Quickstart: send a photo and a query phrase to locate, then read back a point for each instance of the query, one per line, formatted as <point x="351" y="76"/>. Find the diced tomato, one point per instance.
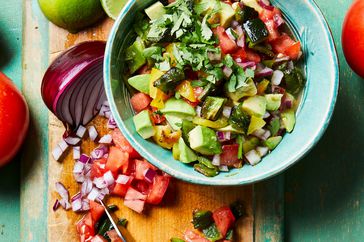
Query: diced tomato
<point x="117" y="158"/>
<point x="142" y="186"/>
<point x="130" y="169"/>
<point x="192" y="236"/>
<point x="144" y="70"/>
<point x="229" y="155"/>
<point x="252" y="56"/>
<point x="96" y="211"/>
<point x="273" y="32"/>
<point x="98" y="168"/>
<point x="224" y="219"/>
<point x="227" y="45"/>
<point x="240" y="53"/>
<point x="133" y="194"/>
<point x="159" y="188"/>
<point x="287" y="46"/>
<point x="140" y="101"/>
<point x="114" y="237"/>
<point x="156" y="118"/>
<point x="193" y="104"/>
<point x="268" y="14"/>
<point x="98" y="238"/>
<point x="136" y="205"/>
<point x="140" y="167"/>
<point x="85" y="228"/>
<point x="121" y="142"/>
<point x="121" y="189"/>
<point x="197" y="91"/>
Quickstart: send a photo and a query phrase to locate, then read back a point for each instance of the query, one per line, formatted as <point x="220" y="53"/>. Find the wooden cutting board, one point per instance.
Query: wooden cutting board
<point x="42" y="43"/>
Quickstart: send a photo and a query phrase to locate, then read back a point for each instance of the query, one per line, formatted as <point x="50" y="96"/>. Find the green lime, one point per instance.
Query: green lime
<point x="73" y="15"/>
<point x="113" y="7"/>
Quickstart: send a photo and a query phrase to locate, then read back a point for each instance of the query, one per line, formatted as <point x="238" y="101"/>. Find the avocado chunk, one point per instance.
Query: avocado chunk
<point x="155" y="11"/>
<point x="272" y="142"/>
<point x="206" y="6"/>
<point x="204" y="141"/>
<point x="256" y="30"/>
<point x="250" y="144"/>
<point x="239" y="119"/>
<point x="134" y="55"/>
<point x="255" y="106"/>
<point x="170" y="80"/>
<point x="253" y="4"/>
<point x="255" y="124"/>
<point x="175" y="121"/>
<point x="175" y="151"/>
<point x="212" y="107"/>
<point x="288" y="119"/>
<point x="178" y="107"/>
<point x="186" y="154"/>
<point x="227" y="14"/>
<point x="273" y="101"/>
<point x="140" y="82"/>
<point x="187" y="126"/>
<point x="143" y="124"/>
<point x="247" y="90"/>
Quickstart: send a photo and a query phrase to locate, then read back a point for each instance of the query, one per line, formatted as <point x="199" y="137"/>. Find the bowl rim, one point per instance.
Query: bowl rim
<point x="223" y="182"/>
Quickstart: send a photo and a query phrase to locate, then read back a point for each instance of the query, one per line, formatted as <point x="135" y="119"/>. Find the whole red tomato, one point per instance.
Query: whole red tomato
<point x="14" y="119"/>
<point x="353" y="37"/>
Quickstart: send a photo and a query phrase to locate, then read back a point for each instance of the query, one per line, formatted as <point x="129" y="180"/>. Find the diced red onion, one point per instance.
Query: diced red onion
<point x="65" y="204"/>
<point x="281" y="59"/>
<point x="226" y="111"/>
<point x="290" y="65"/>
<point x="79" y="177"/>
<point x="224" y="168"/>
<point x="56" y="205"/>
<point x="239" y="30"/>
<point x="263" y="71"/>
<point x="76" y="152"/>
<point x="72" y="140"/>
<point x="109" y="178"/>
<point x="104" y="109"/>
<point x="248" y="64"/>
<point x="234" y="24"/>
<point x="277" y="77"/>
<point x="103" y="192"/>
<point x="63" y="145"/>
<point x="78" y="167"/>
<point x="227" y="71"/>
<point x="262" y="134"/>
<point x="253" y="157"/>
<point x="86" y="187"/>
<point x="106" y="139"/>
<point x="216" y="160"/>
<point x="100" y="182"/>
<point x="92" y="133"/>
<point x="99" y="152"/>
<point x="108" y="114"/>
<point x="111" y="124"/>
<point x="266" y="5"/>
<point x="278" y="20"/>
<point x="76" y="196"/>
<point x="231" y="36"/>
<point x="85" y="205"/>
<point x="93" y="194"/>
<point x="241" y="41"/>
<point x="81" y="131"/>
<point x="213" y="56"/>
<point x="266" y="115"/>
<point x="84" y="159"/>
<point x="57" y="153"/>
<point x="262" y="151"/>
<point x="62" y="191"/>
<point x="149" y="175"/>
<point x="122" y="179"/>
<point x="286" y="103"/>
<point x="223" y="136"/>
<point x="198" y="111"/>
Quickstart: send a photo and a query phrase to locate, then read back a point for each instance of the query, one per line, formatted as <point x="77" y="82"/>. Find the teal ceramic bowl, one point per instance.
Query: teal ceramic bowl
<point x="313" y="116"/>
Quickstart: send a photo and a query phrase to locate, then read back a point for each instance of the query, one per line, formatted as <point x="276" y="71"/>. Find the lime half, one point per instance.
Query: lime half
<point x="113" y="7"/>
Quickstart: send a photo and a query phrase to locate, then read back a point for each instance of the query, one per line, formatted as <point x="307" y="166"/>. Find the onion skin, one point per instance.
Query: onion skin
<point x="14" y="119"/>
<point x="67" y="69"/>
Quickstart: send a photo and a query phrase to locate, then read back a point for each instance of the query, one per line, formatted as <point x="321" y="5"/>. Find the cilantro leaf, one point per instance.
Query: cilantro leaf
<point x="206" y="32"/>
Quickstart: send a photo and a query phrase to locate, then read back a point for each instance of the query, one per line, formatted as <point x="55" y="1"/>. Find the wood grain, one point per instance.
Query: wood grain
<point x="160" y="223"/>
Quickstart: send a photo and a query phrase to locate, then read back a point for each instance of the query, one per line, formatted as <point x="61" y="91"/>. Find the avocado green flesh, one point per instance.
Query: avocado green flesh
<point x="255" y="106"/>
<point x="155" y="11"/>
<point x="227" y="14"/>
<point x="204" y="141"/>
<point x="288" y="120"/>
<point x="212" y="107"/>
<point x="186" y="154"/>
<point x="140" y="82"/>
<point x="178" y="106"/>
<point x="273" y="142"/>
<point x="143" y="124"/>
<point x="273" y="101"/>
<point x="135" y="56"/>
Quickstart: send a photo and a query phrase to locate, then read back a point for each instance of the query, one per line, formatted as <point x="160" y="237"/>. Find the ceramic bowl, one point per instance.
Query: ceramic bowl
<point x="313" y="115"/>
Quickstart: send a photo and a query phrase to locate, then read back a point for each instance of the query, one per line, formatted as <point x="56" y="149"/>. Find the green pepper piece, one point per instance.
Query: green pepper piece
<point x="240" y="141"/>
<point x="201" y="219"/>
<point x="170" y="80"/>
<point x="212" y="107"/>
<point x="244" y="14"/>
<point x="123" y="222"/>
<point x="294" y="80"/>
<point x="240" y="119"/>
<point x="177" y="240"/>
<point x="256" y="30"/>
<point x="212" y="233"/>
<point x="238" y="209"/>
<point x="206" y="171"/>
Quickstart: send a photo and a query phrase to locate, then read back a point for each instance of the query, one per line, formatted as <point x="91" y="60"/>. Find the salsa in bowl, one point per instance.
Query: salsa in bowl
<point x="206" y="89"/>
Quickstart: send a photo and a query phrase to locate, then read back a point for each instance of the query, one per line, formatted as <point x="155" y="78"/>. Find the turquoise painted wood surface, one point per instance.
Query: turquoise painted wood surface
<point x="323" y="193"/>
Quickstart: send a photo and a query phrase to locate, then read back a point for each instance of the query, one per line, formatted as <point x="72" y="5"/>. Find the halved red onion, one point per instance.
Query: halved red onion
<point x="227" y="71"/>
<point x="109" y="178"/>
<point x="62" y="191"/>
<point x="99" y="151"/>
<point x="227" y="111"/>
<point x="106" y="139"/>
<point x="262" y="151"/>
<point x="266" y="5"/>
<point x="72" y="87"/>
<point x="76" y="152"/>
<point x="149" y="175"/>
<point x="84" y="159"/>
<point x="93" y="194"/>
<point x="92" y="133"/>
<point x="122" y="179"/>
<point x="253" y="157"/>
<point x="277" y="77"/>
<point x="216" y="160"/>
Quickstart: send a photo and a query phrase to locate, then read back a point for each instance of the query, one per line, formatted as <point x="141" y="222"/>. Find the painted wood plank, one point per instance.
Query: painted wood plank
<point x="160" y="223"/>
<point x="10" y="64"/>
<point x="324" y="192"/>
<point x="34" y="181"/>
